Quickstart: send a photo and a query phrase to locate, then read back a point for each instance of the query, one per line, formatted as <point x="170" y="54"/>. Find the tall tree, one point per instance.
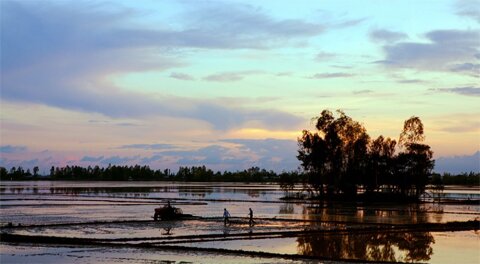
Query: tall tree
<point x="415" y="164"/>
<point x="335" y="157"/>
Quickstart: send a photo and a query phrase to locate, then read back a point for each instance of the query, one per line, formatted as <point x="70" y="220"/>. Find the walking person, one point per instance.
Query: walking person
<point x="250" y="214"/>
<point x="226" y="215"/>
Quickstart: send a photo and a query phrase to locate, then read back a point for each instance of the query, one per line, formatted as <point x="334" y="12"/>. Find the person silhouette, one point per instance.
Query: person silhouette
<point x="250" y="214"/>
<point x="226" y="215"/>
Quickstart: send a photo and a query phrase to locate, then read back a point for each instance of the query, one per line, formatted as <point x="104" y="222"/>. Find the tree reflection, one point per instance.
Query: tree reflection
<point x="378" y="245"/>
<point x="286" y="208"/>
<point x="372" y="245"/>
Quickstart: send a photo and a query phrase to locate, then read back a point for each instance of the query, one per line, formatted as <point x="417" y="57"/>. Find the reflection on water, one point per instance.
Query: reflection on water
<point x="378" y="245"/>
<point x="286" y="208"/>
<point x="335" y="231"/>
<point x="373" y="246"/>
<point x="145" y="189"/>
<point x="392" y="214"/>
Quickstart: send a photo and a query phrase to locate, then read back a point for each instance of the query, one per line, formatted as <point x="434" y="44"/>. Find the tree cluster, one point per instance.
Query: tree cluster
<point x="340" y="158"/>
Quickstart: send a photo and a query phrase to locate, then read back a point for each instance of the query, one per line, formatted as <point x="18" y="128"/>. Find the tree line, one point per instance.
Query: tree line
<point x="287" y="180"/>
<point x="141" y="173"/>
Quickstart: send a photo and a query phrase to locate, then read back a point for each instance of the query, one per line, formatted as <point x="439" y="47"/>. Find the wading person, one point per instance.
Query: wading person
<point x="250" y="215"/>
<point x="226" y="215"/>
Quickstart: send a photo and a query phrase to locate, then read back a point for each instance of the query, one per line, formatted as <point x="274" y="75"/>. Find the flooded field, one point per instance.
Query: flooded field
<point x="98" y="222"/>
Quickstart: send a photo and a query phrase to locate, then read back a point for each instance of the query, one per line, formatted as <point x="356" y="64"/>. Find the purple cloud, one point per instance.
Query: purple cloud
<point x="446" y="49"/>
<point x="387" y="35"/>
<point x="12" y="149"/>
<point x="458" y="164"/>
<point x="59" y="55"/>
<point x="148" y="146"/>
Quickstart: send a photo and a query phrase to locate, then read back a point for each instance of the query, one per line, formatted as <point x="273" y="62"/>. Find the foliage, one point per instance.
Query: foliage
<point x="340" y="158"/>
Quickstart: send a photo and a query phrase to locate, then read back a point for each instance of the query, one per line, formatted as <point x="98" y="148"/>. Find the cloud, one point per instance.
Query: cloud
<point x="230" y="76"/>
<point x="210" y="155"/>
<point x="469" y="8"/>
<point x="407" y="81"/>
<point x="458" y="164"/>
<point x="445" y="49"/>
<point x="148" y="146"/>
<point x="359" y="92"/>
<point x="387" y="35"/>
<point x="245" y="26"/>
<point x="331" y="75"/>
<point x="278" y="154"/>
<point x="117" y="160"/>
<point x="26" y="164"/>
<point x="322" y="56"/>
<point x="91" y="159"/>
<point x="12" y="149"/>
<point x="349" y="23"/>
<point x="473" y="68"/>
<point x="181" y="76"/>
<point x="469" y="90"/>
<point x="463" y="127"/>
<point x="147" y="160"/>
<point x="237" y="154"/>
<point x="281" y="74"/>
<point x="63" y="55"/>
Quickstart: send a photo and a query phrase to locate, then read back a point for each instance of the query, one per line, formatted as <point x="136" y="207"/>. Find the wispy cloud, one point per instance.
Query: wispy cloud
<point x="446" y="49"/>
<point x="181" y="76"/>
<point x="331" y="75"/>
<point x="349" y="23"/>
<point x="469" y="90"/>
<point x="66" y="65"/>
<point x="410" y="81"/>
<point x="230" y="76"/>
<point x="359" y="92"/>
<point x="118" y="160"/>
<point x="469" y="8"/>
<point x="148" y="146"/>
<point x="387" y="35"/>
<point x="210" y="155"/>
<point x="91" y="159"/>
<point x="471" y="68"/>
<point x="12" y="149"/>
<point x="323" y="56"/>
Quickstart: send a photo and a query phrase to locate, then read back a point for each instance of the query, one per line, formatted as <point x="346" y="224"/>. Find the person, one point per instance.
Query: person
<point x="170" y="212"/>
<point x="226" y="215"/>
<point x="250" y="214"/>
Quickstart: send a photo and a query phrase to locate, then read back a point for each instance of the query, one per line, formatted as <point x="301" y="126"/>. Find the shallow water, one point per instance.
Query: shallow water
<point x="76" y="204"/>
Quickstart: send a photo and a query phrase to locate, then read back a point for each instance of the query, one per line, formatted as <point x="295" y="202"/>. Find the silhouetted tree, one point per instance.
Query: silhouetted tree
<point x="335" y="157"/>
<point x="339" y="158"/>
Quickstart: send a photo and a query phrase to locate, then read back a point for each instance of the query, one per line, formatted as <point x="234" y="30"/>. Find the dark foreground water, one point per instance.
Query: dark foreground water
<point x="112" y="222"/>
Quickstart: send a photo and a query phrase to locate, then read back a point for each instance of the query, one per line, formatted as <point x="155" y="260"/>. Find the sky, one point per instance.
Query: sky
<point x="231" y="84"/>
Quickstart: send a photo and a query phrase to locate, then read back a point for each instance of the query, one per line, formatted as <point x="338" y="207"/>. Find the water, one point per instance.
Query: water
<point x="330" y="232"/>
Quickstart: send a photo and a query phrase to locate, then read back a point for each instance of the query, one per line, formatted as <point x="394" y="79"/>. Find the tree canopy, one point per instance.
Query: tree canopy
<point x="340" y="158"/>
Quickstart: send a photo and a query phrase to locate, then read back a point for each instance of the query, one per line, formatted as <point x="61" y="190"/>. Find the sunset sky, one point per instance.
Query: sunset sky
<point x="231" y="84"/>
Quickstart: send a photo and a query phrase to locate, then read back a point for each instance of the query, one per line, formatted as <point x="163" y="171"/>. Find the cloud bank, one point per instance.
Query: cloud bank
<point x="63" y="56"/>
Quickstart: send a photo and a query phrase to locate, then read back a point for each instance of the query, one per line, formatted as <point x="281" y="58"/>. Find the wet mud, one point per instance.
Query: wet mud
<point x="283" y="232"/>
